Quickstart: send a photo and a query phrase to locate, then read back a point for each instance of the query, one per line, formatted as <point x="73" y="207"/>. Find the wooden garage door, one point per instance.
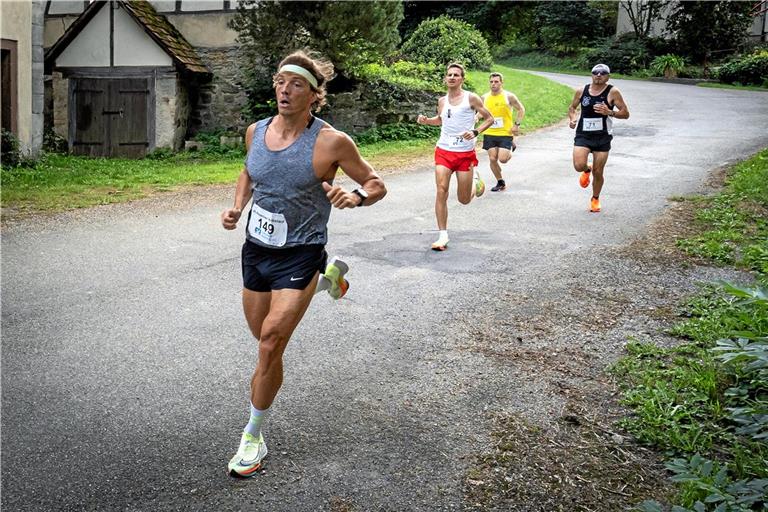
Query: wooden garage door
<point x="111" y="117"/>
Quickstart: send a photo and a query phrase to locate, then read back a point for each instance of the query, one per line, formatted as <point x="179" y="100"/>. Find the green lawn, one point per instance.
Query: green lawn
<point x="59" y="182"/>
<point x="545" y="102"/>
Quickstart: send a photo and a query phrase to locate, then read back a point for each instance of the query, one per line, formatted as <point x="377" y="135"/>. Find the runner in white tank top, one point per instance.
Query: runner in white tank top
<point x="456" y="121"/>
<point x="455" y="151"/>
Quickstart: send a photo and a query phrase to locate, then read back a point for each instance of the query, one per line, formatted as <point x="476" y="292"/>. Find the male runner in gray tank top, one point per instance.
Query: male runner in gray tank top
<point x="600" y="103"/>
<point x="288" y="175"/>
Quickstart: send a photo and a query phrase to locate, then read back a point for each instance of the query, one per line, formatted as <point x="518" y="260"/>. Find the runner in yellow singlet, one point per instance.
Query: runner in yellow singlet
<point x="498" y="140"/>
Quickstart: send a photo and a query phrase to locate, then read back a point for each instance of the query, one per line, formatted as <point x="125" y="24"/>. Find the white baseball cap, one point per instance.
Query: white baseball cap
<point x="601" y="67"/>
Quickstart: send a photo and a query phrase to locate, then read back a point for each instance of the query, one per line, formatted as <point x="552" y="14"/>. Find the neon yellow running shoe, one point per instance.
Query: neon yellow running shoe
<point x="247" y="460"/>
<point x="333" y="279"/>
<point x="479" y="185"/>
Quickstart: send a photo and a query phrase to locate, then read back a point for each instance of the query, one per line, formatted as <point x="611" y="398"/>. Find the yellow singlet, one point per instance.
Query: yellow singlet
<point x="501" y="112"/>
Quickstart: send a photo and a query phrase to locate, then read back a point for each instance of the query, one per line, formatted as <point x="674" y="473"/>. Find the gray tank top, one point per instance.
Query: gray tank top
<point x="289" y="206"/>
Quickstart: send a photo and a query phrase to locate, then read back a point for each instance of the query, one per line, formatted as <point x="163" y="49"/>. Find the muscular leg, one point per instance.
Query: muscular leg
<point x="272" y="318"/>
<point x="580" y="156"/>
<point x="442" y="181"/>
<point x="599" y="159"/>
<point x="493" y="157"/>
<point x="465" y="185"/>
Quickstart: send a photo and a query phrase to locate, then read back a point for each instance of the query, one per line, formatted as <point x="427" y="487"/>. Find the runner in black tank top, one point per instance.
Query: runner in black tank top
<point x="599" y="104"/>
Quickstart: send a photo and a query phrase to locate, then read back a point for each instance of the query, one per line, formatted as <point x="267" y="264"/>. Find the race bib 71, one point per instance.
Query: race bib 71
<point x="592" y="124"/>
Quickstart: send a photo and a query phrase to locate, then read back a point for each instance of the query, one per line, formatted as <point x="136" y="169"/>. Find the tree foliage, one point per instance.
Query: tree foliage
<point x="709" y="29"/>
<point x="567" y="25"/>
<point x="349" y="33"/>
<point x="500" y="21"/>
<point x="443" y="40"/>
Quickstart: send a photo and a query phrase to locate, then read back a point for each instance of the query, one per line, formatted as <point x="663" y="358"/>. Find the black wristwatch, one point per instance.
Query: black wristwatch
<point x="476" y="132"/>
<point x="363" y="195"/>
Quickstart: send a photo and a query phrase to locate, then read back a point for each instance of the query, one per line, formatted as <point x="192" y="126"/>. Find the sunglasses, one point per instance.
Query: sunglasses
<point x="599" y="73"/>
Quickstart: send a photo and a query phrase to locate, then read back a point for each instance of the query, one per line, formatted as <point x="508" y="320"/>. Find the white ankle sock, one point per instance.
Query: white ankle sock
<point x="254" y="424"/>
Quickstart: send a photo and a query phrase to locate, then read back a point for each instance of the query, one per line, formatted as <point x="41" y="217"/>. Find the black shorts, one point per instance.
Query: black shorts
<point x="599" y="143"/>
<point x="266" y="269"/>
<point x="497" y="141"/>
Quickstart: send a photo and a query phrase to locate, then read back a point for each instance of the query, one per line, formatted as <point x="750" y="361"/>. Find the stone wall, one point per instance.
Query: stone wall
<point x="165" y="110"/>
<point x="60" y="104"/>
<point x="219" y="103"/>
<point x="172" y="110"/>
<point x="372" y="105"/>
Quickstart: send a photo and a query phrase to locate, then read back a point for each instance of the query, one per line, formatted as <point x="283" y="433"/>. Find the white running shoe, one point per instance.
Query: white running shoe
<point x="247" y="460"/>
<point x="440" y="244"/>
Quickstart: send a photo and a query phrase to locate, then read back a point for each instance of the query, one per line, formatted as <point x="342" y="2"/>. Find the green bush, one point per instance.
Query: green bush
<point x="749" y="70"/>
<point x="668" y="66"/>
<point x="55" y="143"/>
<point x="397" y="131"/>
<point x="10" y="153"/>
<point x="409" y="75"/>
<point x="443" y="40"/>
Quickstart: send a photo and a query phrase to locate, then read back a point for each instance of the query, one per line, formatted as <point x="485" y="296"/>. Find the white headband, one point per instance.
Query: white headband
<point x="292" y="68"/>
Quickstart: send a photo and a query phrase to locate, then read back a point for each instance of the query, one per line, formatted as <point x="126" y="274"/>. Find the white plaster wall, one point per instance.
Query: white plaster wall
<point x="91" y="46"/>
<point x="16" y="25"/>
<point x="202" y="5"/>
<point x="133" y="47"/>
<point x="208" y="30"/>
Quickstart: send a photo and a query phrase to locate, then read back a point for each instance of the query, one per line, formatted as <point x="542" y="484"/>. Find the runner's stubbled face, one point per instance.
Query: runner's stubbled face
<point x="293" y="93"/>
<point x="453" y="77"/>
<point x="600" y="79"/>
<point x="495" y="84"/>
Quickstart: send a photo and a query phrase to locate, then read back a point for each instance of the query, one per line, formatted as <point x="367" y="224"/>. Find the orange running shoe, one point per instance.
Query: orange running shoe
<point x="584" y="178"/>
<point x="594" y="205"/>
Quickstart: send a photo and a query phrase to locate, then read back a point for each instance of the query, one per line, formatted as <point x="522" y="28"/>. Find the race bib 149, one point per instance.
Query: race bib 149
<point x="267" y="227"/>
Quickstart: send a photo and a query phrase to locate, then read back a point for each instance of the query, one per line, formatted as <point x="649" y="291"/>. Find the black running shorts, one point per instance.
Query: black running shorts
<point x="497" y="141"/>
<point x="266" y="269"/>
<point x="600" y="143"/>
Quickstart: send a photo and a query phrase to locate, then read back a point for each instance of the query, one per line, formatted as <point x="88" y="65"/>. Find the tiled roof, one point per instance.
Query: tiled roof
<point x="156" y="26"/>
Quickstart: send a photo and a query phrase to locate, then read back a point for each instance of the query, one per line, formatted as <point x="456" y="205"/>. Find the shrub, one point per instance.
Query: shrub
<point x="10" y="153"/>
<point x="409" y="75"/>
<point x="397" y="131"/>
<point x="443" y="40"/>
<point x="668" y="65"/>
<point x="55" y="143"/>
<point x="749" y="70"/>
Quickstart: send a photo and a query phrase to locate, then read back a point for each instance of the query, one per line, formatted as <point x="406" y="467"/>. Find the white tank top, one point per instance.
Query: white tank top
<point x="456" y="120"/>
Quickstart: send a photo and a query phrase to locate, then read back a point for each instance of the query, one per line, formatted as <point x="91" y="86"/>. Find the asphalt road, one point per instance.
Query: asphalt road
<point x="126" y="360"/>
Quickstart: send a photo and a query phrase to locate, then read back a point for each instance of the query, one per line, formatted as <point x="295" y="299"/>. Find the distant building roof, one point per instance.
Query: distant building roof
<point x="154" y="24"/>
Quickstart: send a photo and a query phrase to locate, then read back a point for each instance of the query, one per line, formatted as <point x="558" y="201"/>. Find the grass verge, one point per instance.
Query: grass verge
<point x="545" y="102"/>
<point x="59" y="182"/>
<point x="705" y="401"/>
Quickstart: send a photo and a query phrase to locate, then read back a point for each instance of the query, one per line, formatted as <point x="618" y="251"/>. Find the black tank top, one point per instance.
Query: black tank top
<point x="594" y="127"/>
